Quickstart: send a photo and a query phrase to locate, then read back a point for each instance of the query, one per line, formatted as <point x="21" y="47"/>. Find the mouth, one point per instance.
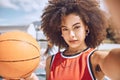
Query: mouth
<point x="73" y="41"/>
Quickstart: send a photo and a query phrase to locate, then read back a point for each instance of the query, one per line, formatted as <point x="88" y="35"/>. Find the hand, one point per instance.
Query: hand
<point x="32" y="77"/>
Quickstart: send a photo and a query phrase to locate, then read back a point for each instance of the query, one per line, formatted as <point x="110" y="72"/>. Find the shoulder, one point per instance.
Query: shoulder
<point x="112" y="57"/>
<point x="113" y="54"/>
<point x="50" y="58"/>
<point x="107" y="57"/>
<point x="99" y="56"/>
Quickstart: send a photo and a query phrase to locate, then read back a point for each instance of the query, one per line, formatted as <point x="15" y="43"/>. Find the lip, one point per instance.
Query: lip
<point x="73" y="41"/>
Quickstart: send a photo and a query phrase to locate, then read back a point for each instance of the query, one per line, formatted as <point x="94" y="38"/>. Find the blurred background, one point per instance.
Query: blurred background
<point x="25" y="15"/>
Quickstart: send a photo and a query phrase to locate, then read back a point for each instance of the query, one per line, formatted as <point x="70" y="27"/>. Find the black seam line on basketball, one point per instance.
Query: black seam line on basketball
<point x="20" y="40"/>
<point x="20" y="76"/>
<point x="20" y="60"/>
<point x="27" y="73"/>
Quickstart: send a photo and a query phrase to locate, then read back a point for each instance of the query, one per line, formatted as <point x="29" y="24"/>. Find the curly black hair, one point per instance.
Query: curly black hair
<point x="89" y="12"/>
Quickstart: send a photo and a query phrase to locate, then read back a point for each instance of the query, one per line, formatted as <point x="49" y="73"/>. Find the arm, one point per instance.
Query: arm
<point x="48" y="61"/>
<point x="111" y="64"/>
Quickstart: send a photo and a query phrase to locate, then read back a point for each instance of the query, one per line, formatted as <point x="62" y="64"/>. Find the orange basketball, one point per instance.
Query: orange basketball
<point x="19" y="54"/>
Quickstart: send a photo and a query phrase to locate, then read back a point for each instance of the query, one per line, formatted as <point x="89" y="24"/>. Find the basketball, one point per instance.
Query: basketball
<point x="19" y="54"/>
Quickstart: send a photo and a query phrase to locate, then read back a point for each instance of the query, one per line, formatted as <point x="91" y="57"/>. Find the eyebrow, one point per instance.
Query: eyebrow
<point x="73" y="24"/>
<point x="76" y="23"/>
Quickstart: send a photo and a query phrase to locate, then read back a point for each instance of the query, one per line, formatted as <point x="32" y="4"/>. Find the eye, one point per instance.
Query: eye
<point x="76" y="27"/>
<point x="64" y="29"/>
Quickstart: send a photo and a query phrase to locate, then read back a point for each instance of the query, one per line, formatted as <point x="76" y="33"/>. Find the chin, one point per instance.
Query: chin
<point x="74" y="46"/>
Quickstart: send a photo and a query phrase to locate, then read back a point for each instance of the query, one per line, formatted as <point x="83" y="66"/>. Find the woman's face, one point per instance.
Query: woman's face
<point x="73" y="31"/>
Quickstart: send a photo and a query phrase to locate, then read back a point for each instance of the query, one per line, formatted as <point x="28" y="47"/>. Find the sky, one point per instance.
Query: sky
<point x="22" y="12"/>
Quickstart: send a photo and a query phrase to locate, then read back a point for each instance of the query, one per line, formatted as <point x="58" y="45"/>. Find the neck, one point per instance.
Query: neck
<point x="72" y="51"/>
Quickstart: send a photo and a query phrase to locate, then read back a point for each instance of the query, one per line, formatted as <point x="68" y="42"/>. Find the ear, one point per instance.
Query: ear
<point x="86" y="28"/>
<point x="61" y="35"/>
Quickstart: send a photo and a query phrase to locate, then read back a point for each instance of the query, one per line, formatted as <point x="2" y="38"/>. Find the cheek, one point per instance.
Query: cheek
<point x="65" y="37"/>
<point x="81" y="34"/>
<point x="81" y="37"/>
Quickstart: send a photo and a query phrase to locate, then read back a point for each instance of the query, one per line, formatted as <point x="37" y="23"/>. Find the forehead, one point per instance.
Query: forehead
<point x="71" y="19"/>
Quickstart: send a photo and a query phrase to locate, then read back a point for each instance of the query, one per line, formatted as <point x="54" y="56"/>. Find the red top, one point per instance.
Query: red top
<point x="74" y="67"/>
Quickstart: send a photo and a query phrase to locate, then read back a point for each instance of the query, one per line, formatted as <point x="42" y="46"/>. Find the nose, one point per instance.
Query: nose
<point x="72" y="34"/>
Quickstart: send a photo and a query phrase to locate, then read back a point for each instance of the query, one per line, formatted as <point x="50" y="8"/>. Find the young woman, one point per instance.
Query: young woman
<point x="78" y="26"/>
